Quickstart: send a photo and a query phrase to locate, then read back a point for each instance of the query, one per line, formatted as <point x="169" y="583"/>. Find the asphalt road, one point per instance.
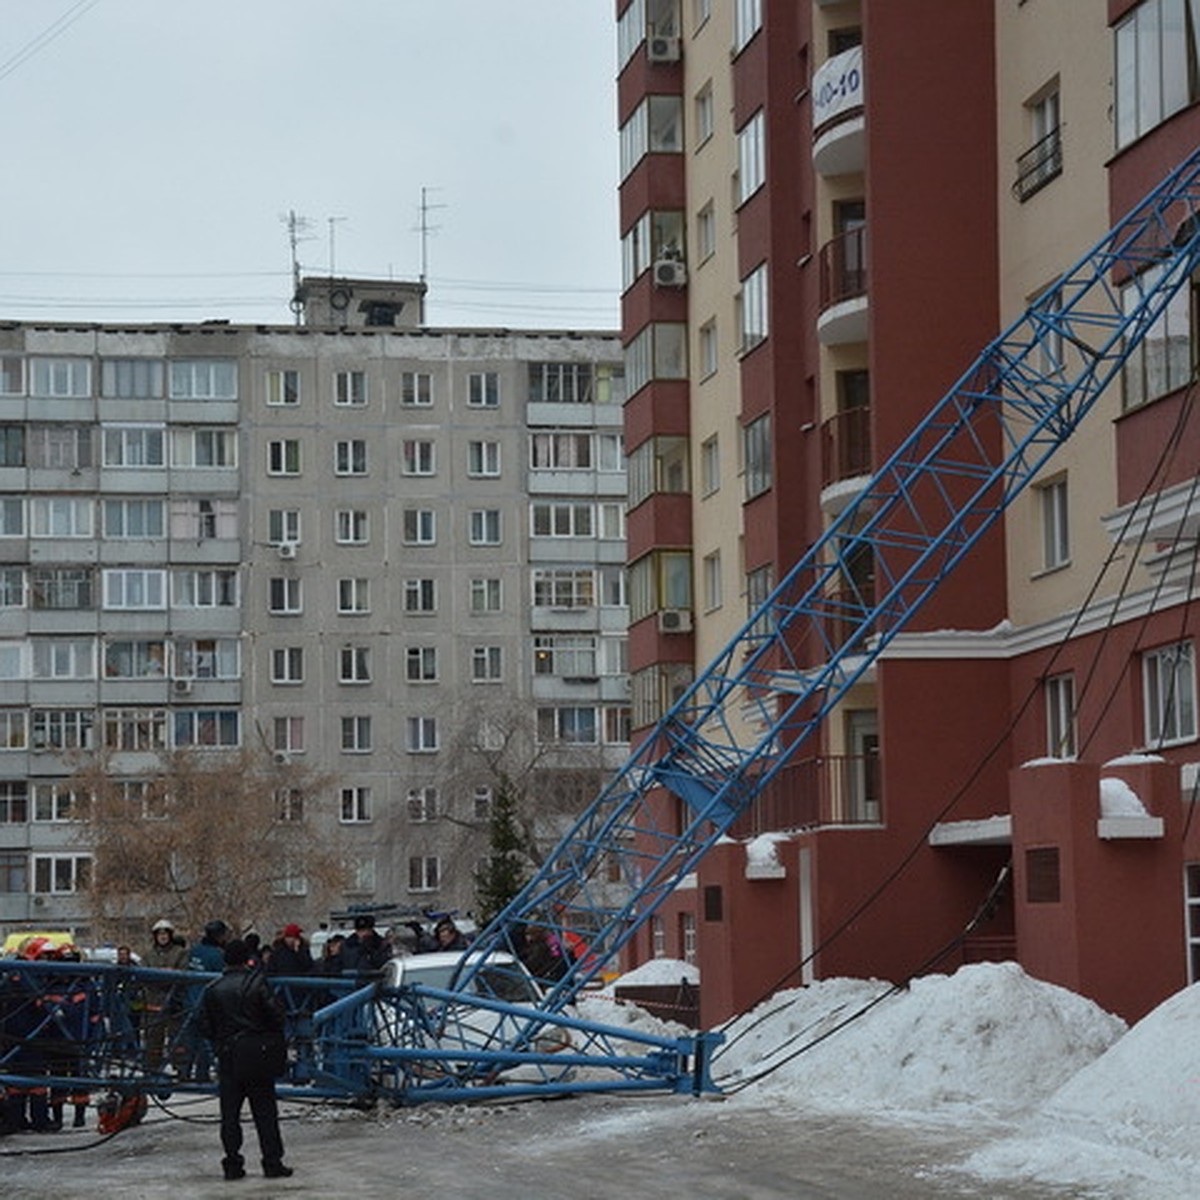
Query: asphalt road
<point x="592" y="1148"/>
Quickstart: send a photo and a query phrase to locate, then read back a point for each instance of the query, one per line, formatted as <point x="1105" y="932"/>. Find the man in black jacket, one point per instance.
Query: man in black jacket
<point x="364" y="950"/>
<point x="242" y="1017"/>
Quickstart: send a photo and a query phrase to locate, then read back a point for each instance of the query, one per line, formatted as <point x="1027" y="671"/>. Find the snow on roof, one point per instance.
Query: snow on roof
<point x="1118" y="799"/>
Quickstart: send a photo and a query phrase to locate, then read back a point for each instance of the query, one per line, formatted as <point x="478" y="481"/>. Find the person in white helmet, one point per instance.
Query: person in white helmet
<point x="162" y="1003"/>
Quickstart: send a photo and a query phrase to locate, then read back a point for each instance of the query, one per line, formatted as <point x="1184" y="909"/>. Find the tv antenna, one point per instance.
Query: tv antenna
<point x="333" y="221"/>
<point x="425" y="229"/>
<point x="298" y="228"/>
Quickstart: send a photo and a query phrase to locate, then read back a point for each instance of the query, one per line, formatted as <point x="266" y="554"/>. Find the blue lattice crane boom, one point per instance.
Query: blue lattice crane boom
<point x="769" y="690"/>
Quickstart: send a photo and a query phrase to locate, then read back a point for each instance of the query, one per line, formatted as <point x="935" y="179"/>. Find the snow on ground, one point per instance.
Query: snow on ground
<point x="1063" y="1093"/>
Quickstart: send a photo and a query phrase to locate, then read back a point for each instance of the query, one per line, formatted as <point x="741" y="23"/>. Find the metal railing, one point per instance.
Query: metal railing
<point x="1042" y="162"/>
<point x="846" y="445"/>
<point x="833" y="790"/>
<point x="844" y="267"/>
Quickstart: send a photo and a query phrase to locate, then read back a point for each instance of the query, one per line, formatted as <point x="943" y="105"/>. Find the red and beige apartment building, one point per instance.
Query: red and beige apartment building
<point x="827" y="211"/>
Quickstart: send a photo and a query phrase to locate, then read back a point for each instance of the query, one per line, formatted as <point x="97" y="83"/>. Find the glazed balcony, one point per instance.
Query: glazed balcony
<point x="839" y="127"/>
<point x="843" y="263"/>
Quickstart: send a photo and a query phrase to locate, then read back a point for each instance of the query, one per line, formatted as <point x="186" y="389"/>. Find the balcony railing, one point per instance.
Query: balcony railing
<point x="846" y="445"/>
<point x="836" y="790"/>
<point x="844" y="267"/>
<point x="1042" y="162"/>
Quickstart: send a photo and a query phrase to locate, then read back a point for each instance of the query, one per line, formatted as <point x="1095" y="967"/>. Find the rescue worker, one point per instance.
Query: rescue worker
<point x="205" y="955"/>
<point x="161" y="1002"/>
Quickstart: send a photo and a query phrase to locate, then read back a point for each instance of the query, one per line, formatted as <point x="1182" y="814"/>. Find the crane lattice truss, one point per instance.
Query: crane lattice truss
<point x="737" y="726"/>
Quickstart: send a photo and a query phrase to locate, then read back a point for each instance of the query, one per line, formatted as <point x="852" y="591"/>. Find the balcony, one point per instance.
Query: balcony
<point x="833" y="791"/>
<point x="843" y="263"/>
<point x="1041" y="163"/>
<point x="839" y="129"/>
<point x="845" y="457"/>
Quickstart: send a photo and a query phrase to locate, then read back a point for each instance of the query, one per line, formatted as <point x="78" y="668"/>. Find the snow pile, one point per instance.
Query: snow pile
<point x="658" y="972"/>
<point x="762" y="852"/>
<point x="1118" y="799"/>
<point x="988" y="1037"/>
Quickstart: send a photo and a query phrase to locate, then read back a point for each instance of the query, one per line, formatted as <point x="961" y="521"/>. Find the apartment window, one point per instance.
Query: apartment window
<point x="353" y="596"/>
<point x="287" y="664"/>
<point x="660" y="579"/>
<point x="424" y="873"/>
<point x="659" y="464"/>
<point x="290" y="881"/>
<point x="483" y="460"/>
<point x="1060" y="716"/>
<point x="1043" y="161"/>
<point x="355" y="805"/>
<point x="658" y="352"/>
<point x="701" y="11"/>
<point x="710" y="466"/>
<point x="419" y="527"/>
<point x="206" y="589"/>
<point x="208" y="658"/>
<point x="483" y="526"/>
<point x="51" y="517"/>
<point x="54" y="803"/>
<point x="204" y="448"/>
<point x="63" y="377"/>
<point x="1157" y="48"/>
<point x="707" y="347"/>
<point x="706" y="232"/>
<point x="284" y="596"/>
<point x="483" y="389"/>
<point x="487" y="664"/>
<point x="759" y="584"/>
<point x="287" y="735"/>
<point x="283" y="457"/>
<point x="752" y="308"/>
<point x="703" y="107"/>
<point x="134" y="519"/>
<point x="756" y="446"/>
<point x="560" y="383"/>
<point x="283" y="525"/>
<point x="13" y="734"/>
<point x="486" y="596"/>
<point x="564" y="587"/>
<point x="712" y="580"/>
<point x="571" y="724"/>
<point x="289" y="804"/>
<point x="656" y="236"/>
<point x="14" y="802"/>
<point x="422" y="735"/>
<point x="210" y="728"/>
<point x="132" y="378"/>
<point x="62" y="729"/>
<point x="752" y="157"/>
<point x="134" y="446"/>
<point x="1169" y="686"/>
<point x="64" y="658"/>
<point x="356" y="735"/>
<point x="360" y="872"/>
<point x="421" y="664"/>
<point x="655" y="127"/>
<point x="419" y="457"/>
<point x="12" y="376"/>
<point x="130" y="588"/>
<point x="135" y="659"/>
<point x="610" y="453"/>
<point x="204" y="379"/>
<point x="201" y="519"/>
<point x="59" y="447"/>
<point x="612" y="521"/>
<point x="61" y="587"/>
<point x="563" y="520"/>
<point x="420" y="596"/>
<point x="416" y="389"/>
<point x="422" y="804"/>
<point x="138" y="730"/>
<point x="12" y="445"/>
<point x="14" y="872"/>
<point x="1162" y="361"/>
<point x="61" y="874"/>
<point x="349" y="389"/>
<point x="747" y="21"/>
<point x="351" y="527"/>
<point x="560" y="451"/>
<point x="12" y="587"/>
<point x="354" y="664"/>
<point x="350" y="457"/>
<point x="1056" y="539"/>
<point x="283" y="388"/>
<point x="569" y="656"/>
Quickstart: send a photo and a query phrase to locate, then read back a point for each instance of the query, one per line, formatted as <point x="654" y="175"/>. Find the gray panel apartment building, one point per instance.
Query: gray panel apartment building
<point x="363" y="545"/>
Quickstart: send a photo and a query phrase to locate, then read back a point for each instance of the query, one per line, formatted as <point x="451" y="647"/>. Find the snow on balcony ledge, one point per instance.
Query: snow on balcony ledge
<point x="990" y="831"/>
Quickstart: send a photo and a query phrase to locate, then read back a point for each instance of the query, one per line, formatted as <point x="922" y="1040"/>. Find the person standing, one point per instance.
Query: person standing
<point x="290" y="954"/>
<point x="205" y="955"/>
<point x="161" y="1000"/>
<point x="240" y="1015"/>
<point x="364" y="950"/>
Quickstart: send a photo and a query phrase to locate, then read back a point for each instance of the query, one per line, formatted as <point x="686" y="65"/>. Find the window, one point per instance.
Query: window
<point x="710" y="466"/>
<point x="208" y="658"/>
<point x="487" y="664"/>
<point x="421" y="735"/>
<point x="59" y="447"/>
<point x="282" y="388"/>
<point x="483" y="389"/>
<point x="60" y="517"/>
<point x="211" y="728"/>
<point x="424" y="873"/>
<point x="1043" y="161"/>
<point x="659" y="464"/>
<point x="134" y="446"/>
<point x="422" y="803"/>
<point x="560" y="383"/>
<point x="610" y="452"/>
<point x="54" y="802"/>
<point x="13" y="734"/>
<point x="12" y="445"/>
<point x="284" y="596"/>
<point x="134" y="519"/>
<point x="12" y="376"/>
<point x="287" y="735"/>
<point x="64" y="658"/>
<point x="756" y="443"/>
<point x="1157" y="66"/>
<point x="752" y="308"/>
<point x="129" y="588"/>
<point x="61" y="874"/>
<point x="486" y="596"/>
<point x="658" y="352"/>
<point x="14" y="872"/>
<point x="283" y="525"/>
<point x="62" y="588"/>
<point x="420" y="596"/>
<point x="416" y="389"/>
<point x="290" y="881"/>
<point x="60" y="377"/>
<point x="360" y="874"/>
<point x="560" y="451"/>
<point x="351" y="527"/>
<point x="419" y="527"/>
<point x="206" y="589"/>
<point x="564" y="587"/>
<point x="350" y="457"/>
<point x="656" y="236"/>
<point x="759" y="584"/>
<point x="421" y="664"/>
<point x="287" y="664"/>
<point x="1161" y="361"/>
<point x="353" y="596"/>
<point x="354" y="664"/>
<point x="747" y="21"/>
<point x="12" y="516"/>
<point x="703" y="107"/>
<point x="14" y="802"/>
<point x="204" y="379"/>
<point x="283" y="457"/>
<point x="356" y="735"/>
<point x="706" y="232"/>
<point x="1060" y="716"/>
<point x="707" y="344"/>
<point x="132" y="378"/>
<point x="419" y="457"/>
<point x="701" y="11"/>
<point x="483" y="460"/>
<point x="355" y="805"/>
<point x="483" y="527"/>
<point x="1169" y="684"/>
<point x="289" y="804"/>
<point x="563" y="520"/>
<point x="711" y="576"/>
<point x="612" y="521"/>
<point x="204" y="448"/>
<point x="200" y="519"/>
<point x="135" y="659"/>
<point x="574" y="725"/>
<point x="1056" y="540"/>
<point x="661" y="579"/>
<point x="62" y="729"/>
<point x="655" y="127"/>
<point x="569" y="656"/>
<point x="752" y="154"/>
<point x="135" y="729"/>
<point x="1191" y="921"/>
<point x="12" y="587"/>
<point x="349" y="389"/>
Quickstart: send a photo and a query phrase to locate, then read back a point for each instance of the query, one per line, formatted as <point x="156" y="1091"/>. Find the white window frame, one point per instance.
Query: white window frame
<point x="354" y="805"/>
<point x="484" y="527"/>
<point x="350" y="457"/>
<point x="284" y="457"/>
<point x="281" y="386"/>
<point x="420" y="597"/>
<point x="419" y="527"/>
<point x="285" y="596"/>
<point x="421" y="735"/>
<point x="1061" y="726"/>
<point x="486" y="595"/>
<point x="287" y="665"/>
<point x="752" y="157"/>
<point x="1053" y="510"/>
<point x="487" y="664"/>
<point x="1169" y="689"/>
<point x="357" y="735"/>
<point x="421" y="664"/>
<point x="353" y="596"/>
<point x="416" y="389"/>
<point x="418" y="457"/>
<point x="483" y="389"/>
<point x="352" y="527"/>
<point x="483" y="460"/>
<point x="350" y="389"/>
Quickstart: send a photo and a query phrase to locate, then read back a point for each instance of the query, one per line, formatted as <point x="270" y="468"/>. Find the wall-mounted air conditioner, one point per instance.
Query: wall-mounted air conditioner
<point x="282" y="758"/>
<point x="669" y="272"/>
<point x="660" y="49"/>
<point x="287" y="549"/>
<point x="183" y="687"/>
<point x="675" y="620"/>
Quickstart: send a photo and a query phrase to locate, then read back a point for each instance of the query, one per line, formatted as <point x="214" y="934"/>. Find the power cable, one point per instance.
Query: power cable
<point x="55" y="29"/>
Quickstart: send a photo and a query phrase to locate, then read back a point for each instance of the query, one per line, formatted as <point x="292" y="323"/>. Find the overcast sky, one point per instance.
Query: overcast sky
<point x="153" y="148"/>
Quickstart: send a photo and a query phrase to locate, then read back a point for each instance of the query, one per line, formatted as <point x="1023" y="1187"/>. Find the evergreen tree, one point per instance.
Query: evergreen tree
<point x="503" y="872"/>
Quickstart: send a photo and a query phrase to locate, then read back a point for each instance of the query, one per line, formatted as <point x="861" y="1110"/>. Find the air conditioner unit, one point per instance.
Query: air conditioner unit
<point x="38" y="744"/>
<point x="287" y="549"/>
<point x="183" y="687"/>
<point x="282" y="758"/>
<point x="661" y="49"/>
<point x="669" y="272"/>
<point x="675" y="620"/>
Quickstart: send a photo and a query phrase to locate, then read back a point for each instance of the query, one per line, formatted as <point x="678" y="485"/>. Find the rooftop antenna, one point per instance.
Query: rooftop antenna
<point x="333" y="221"/>
<point x="298" y="231"/>
<point x="425" y="229"/>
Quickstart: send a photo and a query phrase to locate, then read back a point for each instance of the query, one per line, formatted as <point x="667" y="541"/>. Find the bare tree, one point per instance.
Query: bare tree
<point x="204" y="836"/>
